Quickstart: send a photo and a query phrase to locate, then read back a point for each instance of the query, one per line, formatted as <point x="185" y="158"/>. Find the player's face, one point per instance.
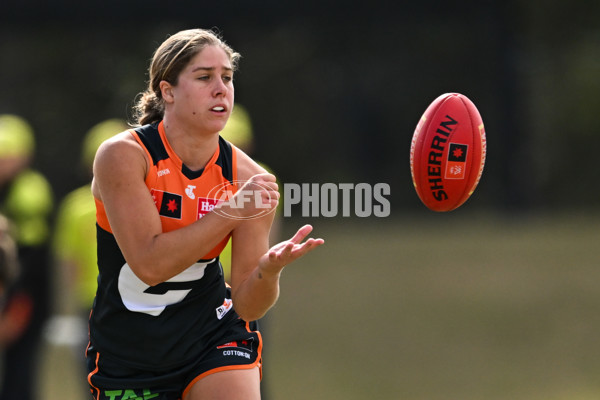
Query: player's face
<point x="204" y="93"/>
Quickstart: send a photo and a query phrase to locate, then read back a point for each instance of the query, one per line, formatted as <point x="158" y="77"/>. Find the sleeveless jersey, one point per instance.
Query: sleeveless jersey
<point x="171" y="323"/>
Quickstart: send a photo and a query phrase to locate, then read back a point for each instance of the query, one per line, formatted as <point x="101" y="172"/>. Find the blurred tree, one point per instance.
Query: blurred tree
<point x="345" y="88"/>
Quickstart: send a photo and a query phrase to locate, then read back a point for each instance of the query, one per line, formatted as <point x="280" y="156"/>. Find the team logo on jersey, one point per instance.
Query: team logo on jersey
<point x="153" y="300"/>
<point x="168" y="204"/>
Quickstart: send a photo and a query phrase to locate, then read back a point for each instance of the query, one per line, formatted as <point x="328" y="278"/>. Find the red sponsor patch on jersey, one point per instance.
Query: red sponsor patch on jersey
<point x="206" y="205"/>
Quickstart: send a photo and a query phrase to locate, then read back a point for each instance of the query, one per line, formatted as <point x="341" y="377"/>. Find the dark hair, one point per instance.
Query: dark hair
<point x="169" y="59"/>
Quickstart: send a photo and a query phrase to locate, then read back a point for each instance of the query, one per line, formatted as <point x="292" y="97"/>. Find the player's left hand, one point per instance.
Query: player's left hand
<point x="283" y="253"/>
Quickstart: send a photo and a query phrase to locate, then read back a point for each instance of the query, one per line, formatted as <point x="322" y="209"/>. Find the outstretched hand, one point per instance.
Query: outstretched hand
<point x="287" y="251"/>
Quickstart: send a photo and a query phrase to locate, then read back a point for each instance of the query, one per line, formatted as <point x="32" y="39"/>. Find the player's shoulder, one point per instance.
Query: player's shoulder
<point x="118" y="149"/>
<point x="119" y="159"/>
<point x="123" y="139"/>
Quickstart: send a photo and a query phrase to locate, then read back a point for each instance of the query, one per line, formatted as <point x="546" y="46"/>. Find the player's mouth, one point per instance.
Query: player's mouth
<point x="218" y="109"/>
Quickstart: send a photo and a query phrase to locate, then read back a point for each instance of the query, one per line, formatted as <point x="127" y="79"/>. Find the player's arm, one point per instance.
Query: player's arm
<point x="256" y="268"/>
<point x="119" y="172"/>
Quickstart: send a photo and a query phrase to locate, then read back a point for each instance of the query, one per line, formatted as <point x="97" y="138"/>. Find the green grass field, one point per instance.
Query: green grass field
<point x="441" y="306"/>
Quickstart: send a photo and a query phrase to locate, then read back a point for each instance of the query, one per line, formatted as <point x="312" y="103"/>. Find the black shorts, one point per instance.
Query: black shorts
<point x="241" y="348"/>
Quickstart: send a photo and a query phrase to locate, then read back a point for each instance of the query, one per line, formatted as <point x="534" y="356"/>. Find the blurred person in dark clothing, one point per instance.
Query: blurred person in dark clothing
<point x="26" y="199"/>
<point x="9" y="264"/>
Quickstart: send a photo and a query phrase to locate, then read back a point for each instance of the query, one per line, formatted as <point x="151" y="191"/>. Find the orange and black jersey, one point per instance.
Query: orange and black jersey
<point x="169" y="324"/>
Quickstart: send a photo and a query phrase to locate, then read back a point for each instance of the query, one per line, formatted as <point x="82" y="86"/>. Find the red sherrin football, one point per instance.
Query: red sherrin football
<point x="447" y="153"/>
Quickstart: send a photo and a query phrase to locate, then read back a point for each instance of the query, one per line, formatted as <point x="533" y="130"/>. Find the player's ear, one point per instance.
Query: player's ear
<point x="166" y="90"/>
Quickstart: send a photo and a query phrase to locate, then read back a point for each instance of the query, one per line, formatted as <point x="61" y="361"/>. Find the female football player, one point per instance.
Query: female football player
<point x="169" y="194"/>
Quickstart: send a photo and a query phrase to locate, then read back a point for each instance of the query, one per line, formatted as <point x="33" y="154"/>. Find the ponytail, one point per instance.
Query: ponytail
<point x="149" y="108"/>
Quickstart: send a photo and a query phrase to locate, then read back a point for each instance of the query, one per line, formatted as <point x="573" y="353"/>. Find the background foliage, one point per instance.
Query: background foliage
<point x="335" y="89"/>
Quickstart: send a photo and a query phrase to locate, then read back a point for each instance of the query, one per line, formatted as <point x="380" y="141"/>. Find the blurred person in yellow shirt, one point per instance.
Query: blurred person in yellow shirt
<point x="74" y="250"/>
<point x="74" y="245"/>
<point x="27" y="200"/>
